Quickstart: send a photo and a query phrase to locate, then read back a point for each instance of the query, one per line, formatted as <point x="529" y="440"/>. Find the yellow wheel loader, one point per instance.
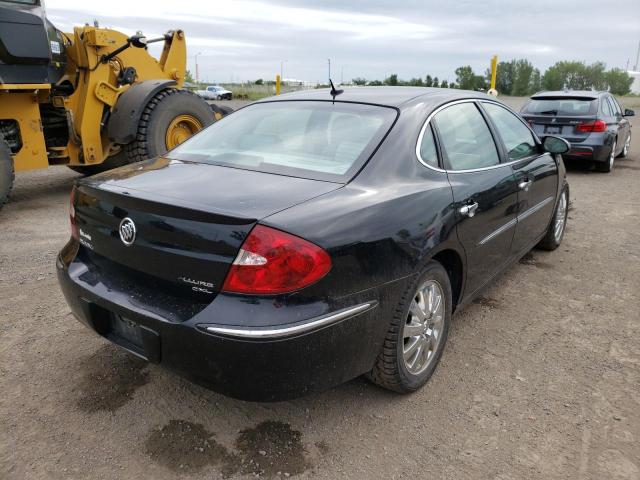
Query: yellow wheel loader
<point x="92" y="100"/>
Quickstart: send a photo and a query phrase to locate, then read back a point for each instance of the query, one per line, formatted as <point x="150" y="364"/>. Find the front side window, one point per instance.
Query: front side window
<point x="465" y="139"/>
<point x="516" y="136"/>
<point x="309" y="139"/>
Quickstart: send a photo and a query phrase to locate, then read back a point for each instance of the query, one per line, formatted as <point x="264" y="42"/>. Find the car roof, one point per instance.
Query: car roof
<point x="387" y="96"/>
<point x="569" y="94"/>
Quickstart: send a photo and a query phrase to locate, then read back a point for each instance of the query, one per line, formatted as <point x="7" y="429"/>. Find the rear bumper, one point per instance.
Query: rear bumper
<point x="598" y="153"/>
<point x="324" y="343"/>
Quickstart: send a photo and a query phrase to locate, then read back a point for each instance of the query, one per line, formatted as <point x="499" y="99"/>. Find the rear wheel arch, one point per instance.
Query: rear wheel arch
<point x="452" y="263"/>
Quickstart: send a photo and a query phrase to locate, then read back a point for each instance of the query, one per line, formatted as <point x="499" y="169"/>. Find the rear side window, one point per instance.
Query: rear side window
<point x="465" y="138"/>
<point x="308" y="139"/>
<point x="606" y="108"/>
<point x="615" y="108"/>
<point x="562" y="106"/>
<point x="428" y="152"/>
<point x="516" y="136"/>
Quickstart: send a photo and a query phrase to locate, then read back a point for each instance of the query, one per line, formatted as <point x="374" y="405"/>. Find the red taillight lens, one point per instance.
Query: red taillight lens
<point x="589" y="127"/>
<point x="271" y="261"/>
<point x="72" y="214"/>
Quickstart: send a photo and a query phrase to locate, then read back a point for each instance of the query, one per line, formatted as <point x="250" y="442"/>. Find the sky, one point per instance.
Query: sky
<point x="241" y="40"/>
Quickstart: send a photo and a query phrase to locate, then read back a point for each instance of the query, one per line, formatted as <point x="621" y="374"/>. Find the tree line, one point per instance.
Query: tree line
<point x="519" y="77"/>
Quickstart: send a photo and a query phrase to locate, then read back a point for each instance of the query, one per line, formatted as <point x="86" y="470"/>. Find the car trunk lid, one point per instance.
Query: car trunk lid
<point x="190" y="219"/>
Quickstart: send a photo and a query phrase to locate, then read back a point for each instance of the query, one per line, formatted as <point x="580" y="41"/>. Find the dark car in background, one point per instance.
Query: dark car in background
<point x="311" y="238"/>
<point x="592" y="122"/>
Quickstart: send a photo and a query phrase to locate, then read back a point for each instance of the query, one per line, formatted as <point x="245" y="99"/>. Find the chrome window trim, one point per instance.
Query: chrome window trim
<point x="456" y="102"/>
<point x="287" y="331"/>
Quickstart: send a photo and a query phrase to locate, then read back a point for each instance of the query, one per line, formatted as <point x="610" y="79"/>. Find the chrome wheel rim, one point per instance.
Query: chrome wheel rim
<point x="561" y="216"/>
<point x="627" y="144"/>
<point x="422" y="332"/>
<point x="613" y="155"/>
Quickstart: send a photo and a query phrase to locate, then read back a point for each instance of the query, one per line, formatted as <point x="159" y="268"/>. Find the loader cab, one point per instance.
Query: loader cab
<point x="32" y="50"/>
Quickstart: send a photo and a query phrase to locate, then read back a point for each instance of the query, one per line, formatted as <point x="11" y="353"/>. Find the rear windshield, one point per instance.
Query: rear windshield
<point x="561" y="106"/>
<point x="309" y="139"/>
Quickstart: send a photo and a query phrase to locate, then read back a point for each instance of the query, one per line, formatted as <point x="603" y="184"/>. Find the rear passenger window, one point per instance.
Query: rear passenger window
<point x="465" y="139"/>
<point x="614" y="106"/>
<point x="428" y="152"/>
<point x="606" y="108"/>
<point x="516" y="136"/>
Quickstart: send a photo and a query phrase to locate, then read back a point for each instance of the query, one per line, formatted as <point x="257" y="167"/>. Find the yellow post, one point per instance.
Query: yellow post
<point x="277" y="84"/>
<point x="494" y="69"/>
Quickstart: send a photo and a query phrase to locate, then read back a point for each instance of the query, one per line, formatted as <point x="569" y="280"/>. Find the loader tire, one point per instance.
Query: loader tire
<point x="7" y="173"/>
<point x="169" y="118"/>
<point x="180" y="111"/>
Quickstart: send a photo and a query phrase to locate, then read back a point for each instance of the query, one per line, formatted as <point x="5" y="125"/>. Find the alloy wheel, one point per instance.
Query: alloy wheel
<point x="627" y="144"/>
<point x="612" y="157"/>
<point x="422" y="332"/>
<point x="561" y="215"/>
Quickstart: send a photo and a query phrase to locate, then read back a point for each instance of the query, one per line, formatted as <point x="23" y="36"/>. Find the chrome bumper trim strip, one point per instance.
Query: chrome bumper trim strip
<point x="287" y="331"/>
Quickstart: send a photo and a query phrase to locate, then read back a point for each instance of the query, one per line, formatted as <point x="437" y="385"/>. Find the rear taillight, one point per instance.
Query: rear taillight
<point x="589" y="127"/>
<point x="72" y="214"/>
<point x="272" y="262"/>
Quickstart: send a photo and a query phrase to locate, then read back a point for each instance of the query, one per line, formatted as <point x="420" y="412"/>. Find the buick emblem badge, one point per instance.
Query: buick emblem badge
<point x="127" y="231"/>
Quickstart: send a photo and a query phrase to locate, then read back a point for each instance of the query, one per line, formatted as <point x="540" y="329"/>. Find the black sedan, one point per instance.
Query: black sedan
<point x="311" y="238"/>
<point x="592" y="122"/>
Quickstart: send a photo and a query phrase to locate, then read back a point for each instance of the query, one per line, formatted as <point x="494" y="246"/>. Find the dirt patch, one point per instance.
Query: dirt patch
<point x="272" y="448"/>
<point x="188" y="447"/>
<point x="487" y="302"/>
<point x="111" y="378"/>
<point x="530" y="259"/>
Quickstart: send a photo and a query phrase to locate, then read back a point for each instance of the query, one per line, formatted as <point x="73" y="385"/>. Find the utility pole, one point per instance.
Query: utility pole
<point x="635" y="67"/>
<point x="197" y="73"/>
<point x="329" y="63"/>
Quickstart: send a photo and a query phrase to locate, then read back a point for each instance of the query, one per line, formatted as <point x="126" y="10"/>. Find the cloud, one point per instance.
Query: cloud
<point x="248" y="39"/>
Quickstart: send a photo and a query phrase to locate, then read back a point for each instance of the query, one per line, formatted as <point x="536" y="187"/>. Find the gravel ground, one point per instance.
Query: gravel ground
<point x="540" y="378"/>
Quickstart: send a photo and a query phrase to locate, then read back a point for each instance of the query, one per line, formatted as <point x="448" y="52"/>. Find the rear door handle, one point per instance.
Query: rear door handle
<point x="524" y="185"/>
<point x="469" y="209"/>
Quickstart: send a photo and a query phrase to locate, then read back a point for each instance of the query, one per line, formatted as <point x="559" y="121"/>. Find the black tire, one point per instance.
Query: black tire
<point x="607" y="165"/>
<point x="389" y="370"/>
<point x="165" y="106"/>
<point x="7" y="172"/>
<point x="551" y="241"/>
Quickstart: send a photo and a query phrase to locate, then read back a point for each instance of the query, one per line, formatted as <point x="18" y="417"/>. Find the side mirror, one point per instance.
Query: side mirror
<point x="556" y="145"/>
<point x="628" y="113"/>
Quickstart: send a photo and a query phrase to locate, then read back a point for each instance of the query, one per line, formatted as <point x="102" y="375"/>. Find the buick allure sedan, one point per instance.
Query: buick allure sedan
<point x="311" y="238"/>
